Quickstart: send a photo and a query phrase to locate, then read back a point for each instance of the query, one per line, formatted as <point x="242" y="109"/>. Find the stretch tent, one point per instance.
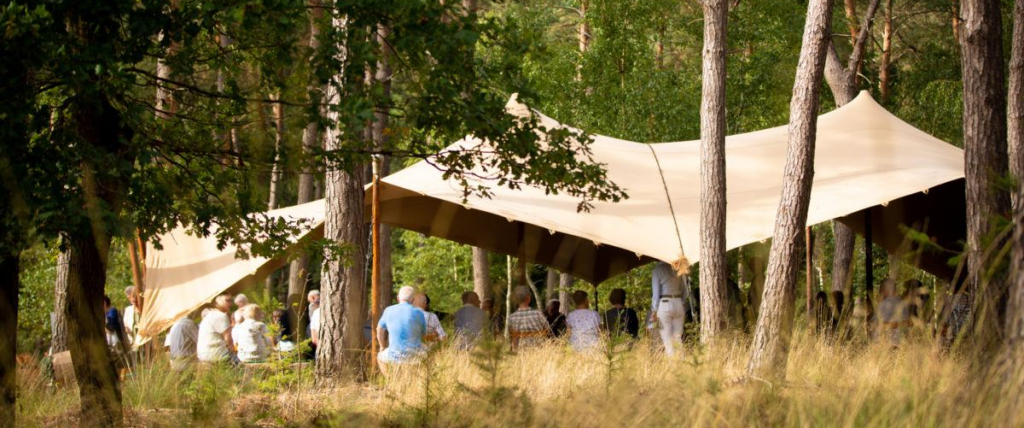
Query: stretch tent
<point x="190" y="271"/>
<point x="867" y="160"/>
<point x="868" y="163"/>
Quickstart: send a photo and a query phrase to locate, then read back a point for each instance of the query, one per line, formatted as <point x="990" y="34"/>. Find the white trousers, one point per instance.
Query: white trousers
<point x="671" y="315"/>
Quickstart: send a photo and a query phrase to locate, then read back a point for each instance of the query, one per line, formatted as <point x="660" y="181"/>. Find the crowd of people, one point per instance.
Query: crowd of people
<point x="233" y="328"/>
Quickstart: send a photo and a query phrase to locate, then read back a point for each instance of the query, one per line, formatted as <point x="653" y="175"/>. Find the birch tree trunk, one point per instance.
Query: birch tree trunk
<point x="273" y="199"/>
<point x="298" y="272"/>
<point x="713" y="269"/>
<point x="343" y="278"/>
<point x="770" y="350"/>
<point x="985" y="162"/>
<point x="564" y="296"/>
<point x="551" y="286"/>
<point x="9" y="288"/>
<point x="1015" y="137"/>
<point x="482" y="274"/>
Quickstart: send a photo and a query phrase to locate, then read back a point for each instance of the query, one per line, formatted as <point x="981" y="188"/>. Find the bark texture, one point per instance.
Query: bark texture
<point x="482" y="274"/>
<point x="274" y="196"/>
<point x="551" y="286"/>
<point x="97" y="379"/>
<point x="298" y="272"/>
<point x="883" y="67"/>
<point x="343" y="286"/>
<point x="59" y="336"/>
<point x="985" y="155"/>
<point x="382" y="77"/>
<point x="1015" y="137"/>
<point x="564" y="294"/>
<point x="842" y="80"/>
<point x="770" y="350"/>
<point x="713" y="267"/>
<point x="9" y="287"/>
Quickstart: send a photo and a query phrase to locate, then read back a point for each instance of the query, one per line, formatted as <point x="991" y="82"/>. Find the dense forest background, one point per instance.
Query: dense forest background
<point x="637" y="78"/>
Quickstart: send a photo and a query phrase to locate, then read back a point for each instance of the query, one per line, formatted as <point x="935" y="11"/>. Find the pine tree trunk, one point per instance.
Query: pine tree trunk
<point x="380" y="136"/>
<point x="91" y="358"/>
<point x="274" y="194"/>
<point x="985" y="160"/>
<point x="713" y="269"/>
<point x="1015" y="137"/>
<point x="9" y="288"/>
<point x="298" y="272"/>
<point x="482" y="274"/>
<point x="59" y="337"/>
<point x="343" y="285"/>
<point x="770" y="350"/>
<point x="883" y="67"/>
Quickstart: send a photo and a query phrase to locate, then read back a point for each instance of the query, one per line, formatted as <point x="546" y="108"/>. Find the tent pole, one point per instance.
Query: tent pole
<point x="869" y="285"/>
<point x="375" y="269"/>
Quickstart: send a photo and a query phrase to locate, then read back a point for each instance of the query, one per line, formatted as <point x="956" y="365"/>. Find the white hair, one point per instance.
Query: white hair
<point x="313" y="293"/>
<point x="241" y="300"/>
<point x="129" y="290"/>
<point x="406" y="293"/>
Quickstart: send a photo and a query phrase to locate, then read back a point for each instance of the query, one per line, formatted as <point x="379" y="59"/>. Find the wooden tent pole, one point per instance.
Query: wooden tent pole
<point x="375" y="271"/>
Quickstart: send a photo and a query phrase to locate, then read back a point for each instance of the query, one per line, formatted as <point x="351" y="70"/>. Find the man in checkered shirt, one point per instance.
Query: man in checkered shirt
<point x="526" y="325"/>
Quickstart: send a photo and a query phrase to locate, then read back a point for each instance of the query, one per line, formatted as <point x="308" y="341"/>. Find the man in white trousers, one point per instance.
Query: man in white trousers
<point x="668" y="307"/>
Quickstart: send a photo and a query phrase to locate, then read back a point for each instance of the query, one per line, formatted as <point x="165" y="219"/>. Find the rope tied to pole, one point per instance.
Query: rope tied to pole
<point x="682" y="264"/>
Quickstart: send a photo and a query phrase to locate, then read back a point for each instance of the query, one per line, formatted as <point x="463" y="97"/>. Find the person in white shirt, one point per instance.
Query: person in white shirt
<point x="253" y="338"/>
<point x="314" y="301"/>
<point x="584" y="324"/>
<point x="129" y="314"/>
<point x="434" y="330"/>
<point x="182" y="342"/>
<point x="214" y="343"/>
<point x="668" y="307"/>
<point x="314" y="327"/>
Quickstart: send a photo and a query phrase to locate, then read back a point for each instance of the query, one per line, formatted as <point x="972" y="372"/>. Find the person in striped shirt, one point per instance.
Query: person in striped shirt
<point x="526" y="325"/>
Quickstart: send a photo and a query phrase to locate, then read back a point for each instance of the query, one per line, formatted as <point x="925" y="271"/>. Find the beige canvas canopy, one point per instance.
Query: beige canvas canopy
<point x="865" y="157"/>
<point x="190" y="271"/>
<point x="868" y="163"/>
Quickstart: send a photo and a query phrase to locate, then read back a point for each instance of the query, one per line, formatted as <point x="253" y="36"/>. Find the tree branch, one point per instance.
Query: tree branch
<point x="862" y="37"/>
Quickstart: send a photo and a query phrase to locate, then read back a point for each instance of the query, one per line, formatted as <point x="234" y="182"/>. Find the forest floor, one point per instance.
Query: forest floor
<point x="842" y="385"/>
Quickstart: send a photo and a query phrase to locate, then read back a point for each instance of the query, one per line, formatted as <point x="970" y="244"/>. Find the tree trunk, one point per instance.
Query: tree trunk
<point x="564" y="296"/>
<point x="482" y="274"/>
<point x="9" y="288"/>
<point x="551" y="286"/>
<point x="584" y="38"/>
<point x="770" y="350"/>
<point x="380" y="136"/>
<point x="883" y="67"/>
<point x="842" y="80"/>
<point x="91" y="358"/>
<point x="1015" y="137"/>
<point x="298" y="272"/>
<point x="850" y="7"/>
<point x="713" y="268"/>
<point x="273" y="199"/>
<point x="985" y="160"/>
<point x="59" y="337"/>
<point x="343" y="278"/>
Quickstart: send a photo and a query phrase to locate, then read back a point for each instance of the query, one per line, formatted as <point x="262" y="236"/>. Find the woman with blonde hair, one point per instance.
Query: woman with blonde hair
<point x="254" y="341"/>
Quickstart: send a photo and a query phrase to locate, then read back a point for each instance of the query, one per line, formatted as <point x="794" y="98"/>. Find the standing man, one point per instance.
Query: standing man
<point x="400" y="331"/>
<point x="469" y="321"/>
<point x="667" y="305"/>
<point x="130" y="314"/>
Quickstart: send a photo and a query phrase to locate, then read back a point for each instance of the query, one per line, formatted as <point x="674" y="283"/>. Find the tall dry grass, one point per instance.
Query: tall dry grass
<point x="551" y="386"/>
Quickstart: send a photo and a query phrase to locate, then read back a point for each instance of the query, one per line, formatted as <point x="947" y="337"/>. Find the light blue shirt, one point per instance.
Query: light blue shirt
<point x="405" y="325"/>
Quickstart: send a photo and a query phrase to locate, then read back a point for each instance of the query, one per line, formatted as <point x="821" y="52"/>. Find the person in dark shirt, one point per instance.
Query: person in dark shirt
<point x="556" y="319"/>
<point x="620" y="319"/>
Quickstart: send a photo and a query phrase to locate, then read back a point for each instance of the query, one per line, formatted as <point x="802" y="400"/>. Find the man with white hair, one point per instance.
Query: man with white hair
<point x="241" y="301"/>
<point x="400" y="330"/>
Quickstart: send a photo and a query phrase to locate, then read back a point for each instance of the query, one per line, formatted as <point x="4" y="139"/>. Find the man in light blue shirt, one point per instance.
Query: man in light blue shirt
<point x="400" y="331"/>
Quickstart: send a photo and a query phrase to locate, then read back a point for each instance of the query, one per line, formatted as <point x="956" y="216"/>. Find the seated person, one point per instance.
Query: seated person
<point x="214" y="343"/>
<point x="620" y="320"/>
<point x="469" y="320"/>
<point x="556" y="320"/>
<point x="526" y="325"/>
<point x="181" y="343"/>
<point x="584" y="324"/>
<point x="434" y="331"/>
<point x="400" y="331"/>
<point x="252" y="337"/>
